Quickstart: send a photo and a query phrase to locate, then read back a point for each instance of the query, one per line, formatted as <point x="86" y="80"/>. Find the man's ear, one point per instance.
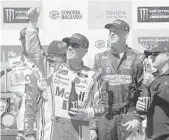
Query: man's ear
<point x="127" y="34"/>
<point x="167" y="55"/>
<point x="85" y="51"/>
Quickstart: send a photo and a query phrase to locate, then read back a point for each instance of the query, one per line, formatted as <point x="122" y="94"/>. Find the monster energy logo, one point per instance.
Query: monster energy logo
<point x="144" y="14"/>
<point x="15" y="15"/>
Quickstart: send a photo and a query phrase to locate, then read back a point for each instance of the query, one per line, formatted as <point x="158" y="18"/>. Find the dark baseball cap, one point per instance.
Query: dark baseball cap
<point x="118" y="24"/>
<point x="160" y="46"/>
<point x="77" y="38"/>
<point x="57" y="47"/>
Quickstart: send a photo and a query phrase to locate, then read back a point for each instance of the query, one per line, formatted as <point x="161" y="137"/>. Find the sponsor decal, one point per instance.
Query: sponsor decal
<point x="77" y="80"/>
<point x="20" y="78"/>
<point x="150" y="42"/>
<point x="84" y="82"/>
<point x="153" y="14"/>
<point x="100" y="44"/>
<point x="61" y="92"/>
<point x="128" y="64"/>
<point x="15" y="62"/>
<point x="15" y="15"/>
<point x="65" y="14"/>
<point x="118" y="79"/>
<point x="63" y="72"/>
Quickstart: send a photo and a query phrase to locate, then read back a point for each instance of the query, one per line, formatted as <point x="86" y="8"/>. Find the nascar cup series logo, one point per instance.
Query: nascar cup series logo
<point x="65" y="14"/>
<point x="153" y="14"/>
<point x="15" y="15"/>
<point x="100" y="44"/>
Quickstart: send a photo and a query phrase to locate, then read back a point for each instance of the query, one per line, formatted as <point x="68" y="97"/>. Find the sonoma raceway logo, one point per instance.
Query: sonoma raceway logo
<point x="65" y="14"/>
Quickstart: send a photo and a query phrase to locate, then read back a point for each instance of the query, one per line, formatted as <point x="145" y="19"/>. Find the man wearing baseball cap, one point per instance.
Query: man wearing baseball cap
<point x="72" y="76"/>
<point x="122" y="67"/>
<point x="158" y="115"/>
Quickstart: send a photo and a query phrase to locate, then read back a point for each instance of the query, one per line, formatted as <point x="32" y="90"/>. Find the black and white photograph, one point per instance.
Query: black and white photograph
<point x="84" y="69"/>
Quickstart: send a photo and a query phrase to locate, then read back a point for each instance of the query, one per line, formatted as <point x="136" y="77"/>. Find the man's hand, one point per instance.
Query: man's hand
<point x="148" y="78"/>
<point x="81" y="113"/>
<point x="143" y="104"/>
<point x="31" y="138"/>
<point x="33" y="14"/>
<point x="133" y="125"/>
<point x="93" y="135"/>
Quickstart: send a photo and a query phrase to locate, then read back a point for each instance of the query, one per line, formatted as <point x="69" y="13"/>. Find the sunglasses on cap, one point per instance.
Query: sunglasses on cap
<point x="155" y="53"/>
<point x="75" y="46"/>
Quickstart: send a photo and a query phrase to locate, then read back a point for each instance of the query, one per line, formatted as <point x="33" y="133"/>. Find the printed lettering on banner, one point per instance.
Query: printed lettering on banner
<point x="118" y="79"/>
<point x="62" y="89"/>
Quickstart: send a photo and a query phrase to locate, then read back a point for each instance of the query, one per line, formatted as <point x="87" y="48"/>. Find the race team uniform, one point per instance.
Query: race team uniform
<point x="18" y="77"/>
<point x="54" y="120"/>
<point x="158" y="115"/>
<point x="125" y="86"/>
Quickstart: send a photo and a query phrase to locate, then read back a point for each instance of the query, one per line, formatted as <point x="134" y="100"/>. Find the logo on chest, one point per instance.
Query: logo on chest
<point x="127" y="64"/>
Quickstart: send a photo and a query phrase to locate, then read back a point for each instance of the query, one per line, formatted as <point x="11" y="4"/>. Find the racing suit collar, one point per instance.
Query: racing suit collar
<point x="77" y="68"/>
<point x="117" y="54"/>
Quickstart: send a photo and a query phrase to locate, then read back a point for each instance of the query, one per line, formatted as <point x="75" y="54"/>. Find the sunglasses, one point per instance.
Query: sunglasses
<point x="152" y="53"/>
<point x="74" y="45"/>
<point x="155" y="53"/>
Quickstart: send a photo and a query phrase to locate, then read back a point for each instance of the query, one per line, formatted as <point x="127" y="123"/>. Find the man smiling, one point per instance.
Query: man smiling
<point x="122" y="68"/>
<point x="67" y="124"/>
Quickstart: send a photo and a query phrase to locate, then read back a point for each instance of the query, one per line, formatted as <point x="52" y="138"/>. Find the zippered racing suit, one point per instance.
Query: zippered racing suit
<point x="54" y="121"/>
<point x="17" y="78"/>
<point x="125" y="86"/>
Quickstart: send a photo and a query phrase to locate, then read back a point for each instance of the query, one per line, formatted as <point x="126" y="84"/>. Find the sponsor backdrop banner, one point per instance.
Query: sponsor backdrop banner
<point x="13" y="14"/>
<point x="103" y="12"/>
<point x="153" y="14"/>
<point x="146" y="39"/>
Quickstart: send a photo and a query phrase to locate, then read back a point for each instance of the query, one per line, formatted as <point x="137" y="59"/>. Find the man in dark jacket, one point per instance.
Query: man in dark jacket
<point x="158" y="115"/>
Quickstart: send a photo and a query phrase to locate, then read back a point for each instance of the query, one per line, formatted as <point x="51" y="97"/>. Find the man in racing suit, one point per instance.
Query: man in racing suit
<point x="32" y="61"/>
<point x="122" y="67"/>
<point x="55" y="122"/>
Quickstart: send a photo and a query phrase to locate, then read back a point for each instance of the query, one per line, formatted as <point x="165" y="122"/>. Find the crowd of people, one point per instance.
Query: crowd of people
<point x="114" y="97"/>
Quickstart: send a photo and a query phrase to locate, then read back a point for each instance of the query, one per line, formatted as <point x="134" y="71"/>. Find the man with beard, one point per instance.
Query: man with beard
<point x="158" y="113"/>
<point x="123" y="68"/>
